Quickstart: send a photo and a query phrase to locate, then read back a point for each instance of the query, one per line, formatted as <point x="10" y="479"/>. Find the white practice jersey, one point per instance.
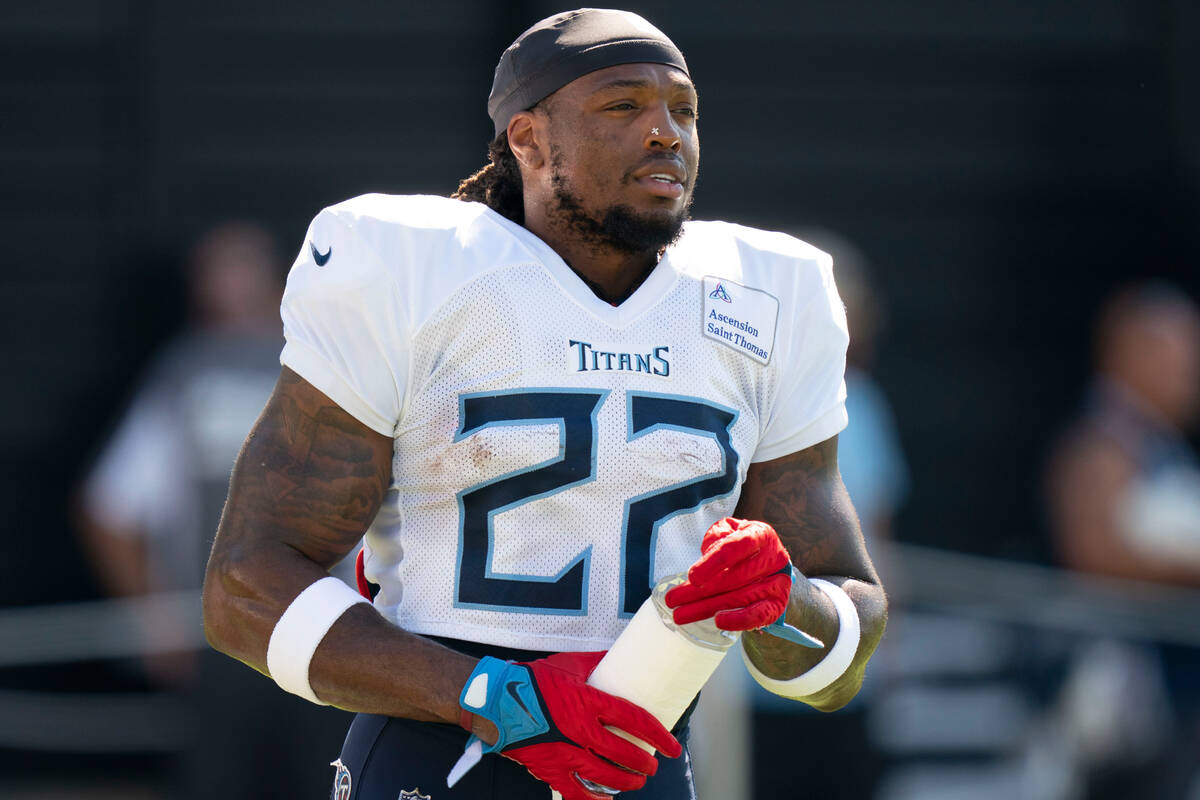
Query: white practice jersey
<point x="555" y="455"/>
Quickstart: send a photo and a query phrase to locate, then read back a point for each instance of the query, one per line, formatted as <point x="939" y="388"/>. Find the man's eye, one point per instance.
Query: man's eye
<point x="621" y="107"/>
<point x="686" y="111"/>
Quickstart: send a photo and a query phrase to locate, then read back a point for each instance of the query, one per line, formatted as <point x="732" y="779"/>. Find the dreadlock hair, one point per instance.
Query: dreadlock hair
<point x="498" y="183"/>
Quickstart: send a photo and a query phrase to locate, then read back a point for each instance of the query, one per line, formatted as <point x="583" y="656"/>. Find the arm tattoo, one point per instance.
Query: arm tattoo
<point x="803" y="498"/>
<point x="310" y="473"/>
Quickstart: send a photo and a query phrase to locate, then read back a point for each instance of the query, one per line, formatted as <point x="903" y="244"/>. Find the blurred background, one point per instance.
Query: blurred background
<point x="1011" y="192"/>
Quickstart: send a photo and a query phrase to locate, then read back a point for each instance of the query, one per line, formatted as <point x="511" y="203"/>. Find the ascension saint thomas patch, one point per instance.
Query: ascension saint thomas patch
<point x="740" y="317"/>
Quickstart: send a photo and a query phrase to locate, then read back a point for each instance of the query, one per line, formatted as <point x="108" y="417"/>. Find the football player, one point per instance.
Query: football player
<point x="536" y="399"/>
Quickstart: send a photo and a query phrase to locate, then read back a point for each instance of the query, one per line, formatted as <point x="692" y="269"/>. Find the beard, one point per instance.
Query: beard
<point x="619" y="227"/>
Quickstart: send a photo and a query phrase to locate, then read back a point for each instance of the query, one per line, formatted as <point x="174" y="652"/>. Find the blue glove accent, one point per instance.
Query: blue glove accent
<point x="781" y="630"/>
<point x="511" y="702"/>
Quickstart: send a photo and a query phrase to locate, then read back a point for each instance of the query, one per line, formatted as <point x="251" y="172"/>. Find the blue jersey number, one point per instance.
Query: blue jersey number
<point x="645" y="513"/>
<point x="477" y="586"/>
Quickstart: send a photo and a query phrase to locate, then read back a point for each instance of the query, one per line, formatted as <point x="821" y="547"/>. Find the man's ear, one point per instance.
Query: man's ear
<point x="526" y="139"/>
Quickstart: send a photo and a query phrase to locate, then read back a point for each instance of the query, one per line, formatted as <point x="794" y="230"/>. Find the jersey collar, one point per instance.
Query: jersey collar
<point x="660" y="280"/>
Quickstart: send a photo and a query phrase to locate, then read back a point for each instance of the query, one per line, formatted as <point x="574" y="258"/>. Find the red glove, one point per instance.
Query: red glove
<point x="744" y="578"/>
<point x="577" y="742"/>
<point x="365" y="587"/>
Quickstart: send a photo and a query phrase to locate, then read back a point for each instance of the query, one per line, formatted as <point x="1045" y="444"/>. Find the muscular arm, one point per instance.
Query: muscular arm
<point x="308" y="482"/>
<point x="803" y="498"/>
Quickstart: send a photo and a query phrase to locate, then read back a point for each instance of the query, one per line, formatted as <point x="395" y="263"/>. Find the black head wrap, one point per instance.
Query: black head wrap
<point x="564" y="47"/>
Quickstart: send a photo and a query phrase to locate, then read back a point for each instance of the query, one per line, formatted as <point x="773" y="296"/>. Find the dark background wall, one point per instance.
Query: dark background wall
<point x="1002" y="165"/>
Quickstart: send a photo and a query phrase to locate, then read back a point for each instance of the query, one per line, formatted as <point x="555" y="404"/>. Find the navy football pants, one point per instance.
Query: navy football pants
<point x="390" y="758"/>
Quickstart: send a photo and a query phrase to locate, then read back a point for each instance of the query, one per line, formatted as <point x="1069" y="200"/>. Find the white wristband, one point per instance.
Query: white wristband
<point x="836" y="661"/>
<point x="301" y="628"/>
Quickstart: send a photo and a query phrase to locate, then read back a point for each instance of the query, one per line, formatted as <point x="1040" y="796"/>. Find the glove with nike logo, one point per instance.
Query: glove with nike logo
<point x="553" y="723"/>
<point x="742" y="580"/>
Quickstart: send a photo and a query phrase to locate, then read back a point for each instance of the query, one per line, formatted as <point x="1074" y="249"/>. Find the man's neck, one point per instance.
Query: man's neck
<point x="611" y="274"/>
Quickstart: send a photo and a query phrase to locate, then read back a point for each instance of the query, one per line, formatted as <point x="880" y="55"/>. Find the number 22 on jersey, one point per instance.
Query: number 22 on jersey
<point x="575" y="412"/>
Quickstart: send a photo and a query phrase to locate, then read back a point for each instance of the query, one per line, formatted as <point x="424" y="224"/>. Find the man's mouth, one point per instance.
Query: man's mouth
<point x="661" y="181"/>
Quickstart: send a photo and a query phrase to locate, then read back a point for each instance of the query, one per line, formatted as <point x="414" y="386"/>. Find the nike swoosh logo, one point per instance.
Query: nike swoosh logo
<point x="511" y="686"/>
<point x="318" y="257"/>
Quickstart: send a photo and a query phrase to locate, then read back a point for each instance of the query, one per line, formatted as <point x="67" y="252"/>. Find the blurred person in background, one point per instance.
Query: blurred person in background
<point x="1124" y="497"/>
<point x="151" y="505"/>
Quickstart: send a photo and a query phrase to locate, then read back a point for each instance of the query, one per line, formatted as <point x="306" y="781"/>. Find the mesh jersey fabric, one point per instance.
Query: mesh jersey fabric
<point x="554" y="455"/>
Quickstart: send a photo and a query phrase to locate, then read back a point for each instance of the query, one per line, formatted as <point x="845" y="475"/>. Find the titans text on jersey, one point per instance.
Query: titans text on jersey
<point x="656" y="362"/>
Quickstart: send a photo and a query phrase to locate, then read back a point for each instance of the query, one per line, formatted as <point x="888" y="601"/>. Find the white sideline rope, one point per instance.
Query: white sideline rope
<point x="69" y="632"/>
<point x="1003" y="591"/>
<point x="952" y="583"/>
<point x="1047" y="598"/>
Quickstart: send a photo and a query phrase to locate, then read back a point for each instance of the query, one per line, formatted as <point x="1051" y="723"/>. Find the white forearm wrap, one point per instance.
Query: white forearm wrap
<point x="301" y="628"/>
<point x="836" y="661"/>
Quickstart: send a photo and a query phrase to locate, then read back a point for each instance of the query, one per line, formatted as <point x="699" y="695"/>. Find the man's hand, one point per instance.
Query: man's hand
<point x="554" y="724"/>
<point x="743" y="578"/>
